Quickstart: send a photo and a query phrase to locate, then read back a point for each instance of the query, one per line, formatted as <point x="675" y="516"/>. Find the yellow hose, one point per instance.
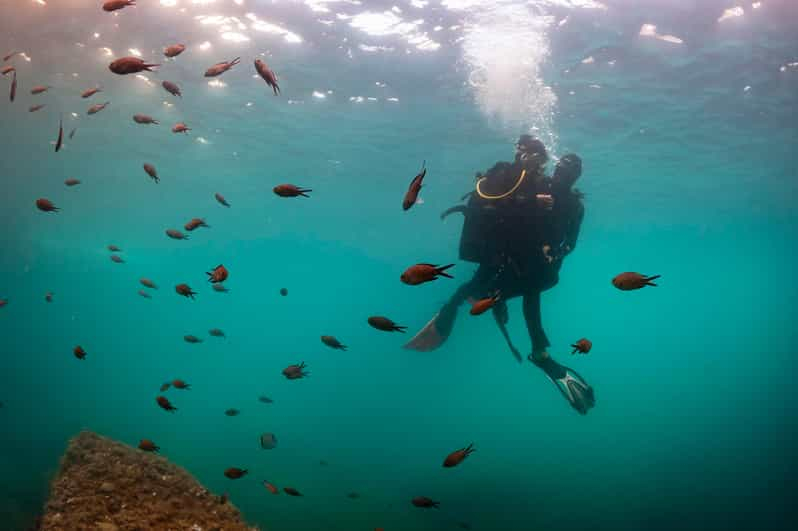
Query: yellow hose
<point x="505" y="194"/>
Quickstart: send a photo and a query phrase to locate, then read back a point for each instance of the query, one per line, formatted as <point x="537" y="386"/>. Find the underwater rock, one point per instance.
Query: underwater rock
<point x="103" y="484"/>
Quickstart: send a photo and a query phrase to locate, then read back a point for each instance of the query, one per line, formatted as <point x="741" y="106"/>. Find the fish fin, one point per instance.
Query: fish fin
<point x="442" y="270"/>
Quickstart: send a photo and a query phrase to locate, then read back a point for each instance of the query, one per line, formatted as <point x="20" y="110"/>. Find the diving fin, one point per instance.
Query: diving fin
<point x="572" y="386"/>
<point x="427" y="339"/>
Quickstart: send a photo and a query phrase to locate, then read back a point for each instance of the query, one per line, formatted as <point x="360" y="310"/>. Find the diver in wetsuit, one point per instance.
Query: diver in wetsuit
<point x="509" y="228"/>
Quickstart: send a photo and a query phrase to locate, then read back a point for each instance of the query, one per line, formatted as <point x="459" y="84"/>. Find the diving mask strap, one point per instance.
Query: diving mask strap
<point x="500" y="196"/>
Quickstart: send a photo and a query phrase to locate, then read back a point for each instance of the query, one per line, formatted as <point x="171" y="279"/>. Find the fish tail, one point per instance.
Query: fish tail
<point x="441" y="270"/>
<point x="303" y="192"/>
<point x="649" y="279"/>
<point x="399" y="328"/>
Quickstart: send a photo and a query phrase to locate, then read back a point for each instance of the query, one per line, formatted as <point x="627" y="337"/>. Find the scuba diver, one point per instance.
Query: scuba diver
<point x="518" y="227"/>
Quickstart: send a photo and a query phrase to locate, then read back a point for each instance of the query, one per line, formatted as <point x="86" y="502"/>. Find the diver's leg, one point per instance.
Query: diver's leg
<point x="534" y="322"/>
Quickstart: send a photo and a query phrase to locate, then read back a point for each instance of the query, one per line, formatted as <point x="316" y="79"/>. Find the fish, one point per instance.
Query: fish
<point x="176" y="234"/>
<point x="221" y="68"/>
<point x="113" y="5"/>
<point x="9" y="56"/>
<point x="79" y="352"/>
<point x="116" y="258"/>
<point x="385" y="324"/>
<point x="150" y="170"/>
<point x="147" y="283"/>
<point x="72" y="133"/>
<point x="291" y="491"/>
<point x="185" y="291"/>
<point x="271" y="488"/>
<point x="268" y="441"/>
<point x="148" y="446"/>
<point x="60" y="141"/>
<point x="220" y="288"/>
<point x="172" y="88"/>
<point x="144" y="294"/>
<point x="457" y="457"/>
<point x="48" y="297"/>
<point x="268" y="75"/>
<point x="3" y="302"/>
<point x="483" y="305"/>
<point x="113" y="248"/>
<point x="180" y="384"/>
<point x="97" y="107"/>
<point x="13" y="93"/>
<point x="71" y="182"/>
<point x="332" y="342"/>
<point x="191" y="339"/>
<point x="235" y="473"/>
<point x="424" y="502"/>
<point x="174" y="50"/>
<point x="629" y="281"/>
<point x="165" y="386"/>
<point x="290" y="190"/>
<point x="34" y="108"/>
<point x="165" y="404"/>
<point x="216" y="332"/>
<point x="180" y="127"/>
<point x="232" y="412"/>
<point x="295" y="372"/>
<point x="283" y="292"/>
<point x="144" y="119"/>
<point x="220" y="198"/>
<point x="38" y="89"/>
<point x="195" y="223"/>
<point x="265" y="400"/>
<point x="130" y="65"/>
<point x="415" y="186"/>
<point x="421" y="273"/>
<point x="45" y="205"/>
<point x="582" y="346"/>
<point x="219" y="274"/>
<point x="88" y="93"/>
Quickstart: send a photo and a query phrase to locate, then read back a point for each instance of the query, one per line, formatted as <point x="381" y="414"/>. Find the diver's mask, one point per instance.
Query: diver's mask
<point x="530" y="152"/>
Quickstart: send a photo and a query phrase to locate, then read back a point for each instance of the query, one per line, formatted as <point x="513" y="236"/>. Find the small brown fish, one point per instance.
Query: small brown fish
<point x="79" y="352"/>
<point x="332" y="342"/>
<point x="165" y="386"/>
<point x="150" y="169"/>
<point x="172" y="88"/>
<point x="421" y="273"/>
<point x="116" y="258"/>
<point x="34" y="108"/>
<point x="71" y="182"/>
<point x="295" y="372"/>
<point x="176" y="234"/>
<point x="144" y="294"/>
<point x="424" y="502"/>
<point x="97" y="107"/>
<point x="271" y="488"/>
<point x="191" y="339"/>
<point x="290" y="190"/>
<point x="113" y="5"/>
<point x="582" y="346"/>
<point x="268" y="75"/>
<point x="38" y="89"/>
<point x="195" y="223"/>
<point x="220" y="198"/>
<point x="415" y="186"/>
<point x="165" y="404"/>
<point x="130" y="65"/>
<point x="216" y="332"/>
<point x="180" y="384"/>
<point x="185" y="291"/>
<point x="385" y="324"/>
<point x="60" y="141"/>
<point x="48" y="297"/>
<point x="235" y="473"/>
<point x="114" y="249"/>
<point x="457" y="457"/>
<point x="219" y="274"/>
<point x="174" y="50"/>
<point x="147" y="283"/>
<point x="144" y="119"/>
<point x="221" y="68"/>
<point x="45" y="205"/>
<point x="232" y="412"/>
<point x="265" y="400"/>
<point x="88" y="93"/>
<point x="220" y="288"/>
<point x="7" y="69"/>
<point x="291" y="491"/>
<point x="13" y="93"/>
<point x="148" y="446"/>
<point x="629" y="281"/>
<point x="180" y="127"/>
<point x="483" y="305"/>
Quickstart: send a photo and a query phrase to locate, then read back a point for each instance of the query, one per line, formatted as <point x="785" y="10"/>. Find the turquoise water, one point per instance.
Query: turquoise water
<point x="687" y="174"/>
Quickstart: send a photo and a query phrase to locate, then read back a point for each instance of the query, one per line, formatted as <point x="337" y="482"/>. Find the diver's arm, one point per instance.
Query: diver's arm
<point x="572" y="233"/>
